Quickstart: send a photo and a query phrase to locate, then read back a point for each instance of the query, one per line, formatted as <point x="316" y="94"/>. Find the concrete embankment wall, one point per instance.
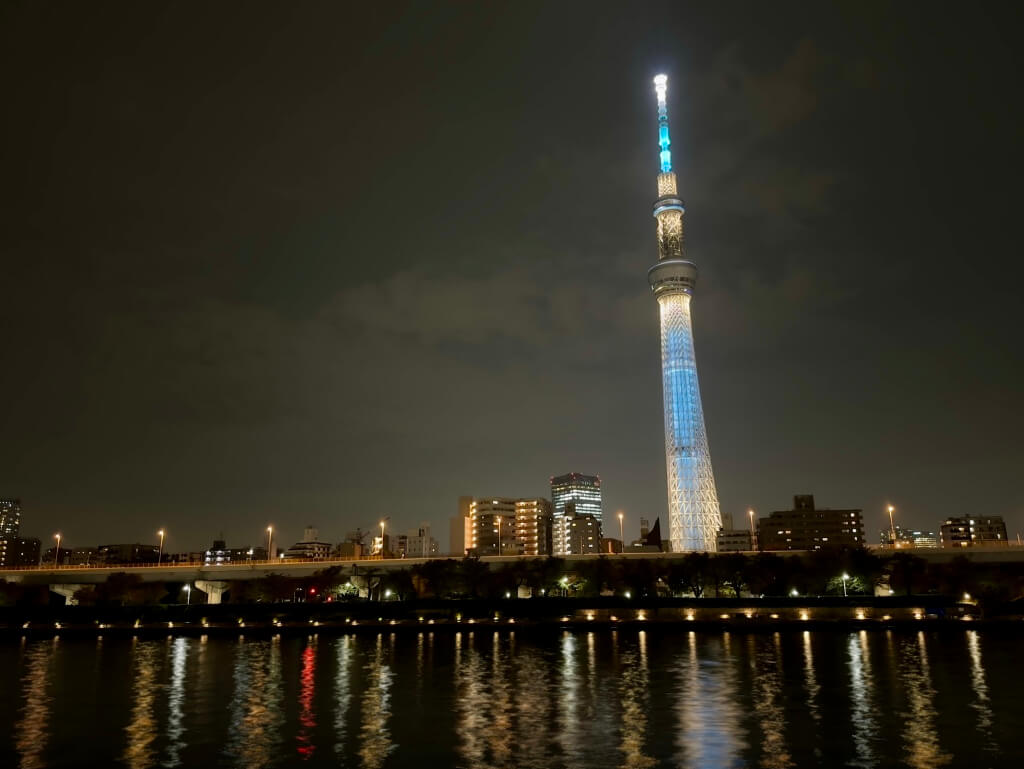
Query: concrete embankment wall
<point x="360" y="616"/>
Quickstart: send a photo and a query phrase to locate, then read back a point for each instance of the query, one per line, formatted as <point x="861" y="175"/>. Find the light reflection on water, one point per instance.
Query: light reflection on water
<point x="141" y="731"/>
<point x="634" y="683"/>
<point x="342" y="692"/>
<point x="708" y="713"/>
<point x="766" y="669"/>
<point x="256" y="707"/>
<point x="375" y="733"/>
<point x="624" y="698"/>
<point x="919" y="731"/>
<point x="30" y="732"/>
<point x="861" y="693"/>
<point x="176" y="702"/>
<point x="980" y="703"/>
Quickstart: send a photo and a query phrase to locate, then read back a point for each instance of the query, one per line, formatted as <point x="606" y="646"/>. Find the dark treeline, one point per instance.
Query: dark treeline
<point x="697" y="575"/>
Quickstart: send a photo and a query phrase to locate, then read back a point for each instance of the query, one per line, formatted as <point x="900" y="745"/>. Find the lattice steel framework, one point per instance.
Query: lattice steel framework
<point x="693" y="514"/>
<point x="693" y="517"/>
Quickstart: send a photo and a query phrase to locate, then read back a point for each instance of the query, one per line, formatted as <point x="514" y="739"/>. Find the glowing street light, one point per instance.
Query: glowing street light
<point x="845" y="577"/>
<point x="382" y="539"/>
<point x="270" y="540"/>
<point x="892" y="527"/>
<point x="188" y="594"/>
<point x="753" y="536"/>
<point x="56" y="553"/>
<point x="622" y="537"/>
<point x="498" y="517"/>
<point x="160" y="552"/>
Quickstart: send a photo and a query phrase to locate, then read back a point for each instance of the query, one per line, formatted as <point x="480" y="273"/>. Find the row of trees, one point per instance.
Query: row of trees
<point x="696" y="574"/>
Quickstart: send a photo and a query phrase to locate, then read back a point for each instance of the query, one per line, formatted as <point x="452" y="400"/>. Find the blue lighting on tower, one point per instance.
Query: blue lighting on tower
<point x="660" y="87"/>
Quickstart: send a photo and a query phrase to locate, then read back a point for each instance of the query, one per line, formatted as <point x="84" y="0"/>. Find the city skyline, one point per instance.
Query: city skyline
<point x="209" y="333"/>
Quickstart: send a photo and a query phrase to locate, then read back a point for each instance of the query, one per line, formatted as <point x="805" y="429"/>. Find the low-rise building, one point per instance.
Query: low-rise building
<point x="806" y="527"/>
<point x="974" y="531"/>
<point x="309" y="547"/>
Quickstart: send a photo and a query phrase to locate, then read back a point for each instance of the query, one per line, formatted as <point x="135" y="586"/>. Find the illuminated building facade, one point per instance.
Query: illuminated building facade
<point x="10" y="518"/>
<point x="573" y="494"/>
<point x="907" y="539"/>
<point x="807" y="528"/>
<point x="533" y="526"/>
<point x="693" y="513"/>
<point x="974" y="531"/>
<point x="510" y="526"/>
<point x="584" y="534"/>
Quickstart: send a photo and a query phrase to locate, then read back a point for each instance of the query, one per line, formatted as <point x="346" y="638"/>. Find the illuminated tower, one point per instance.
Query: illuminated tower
<point x="693" y="515"/>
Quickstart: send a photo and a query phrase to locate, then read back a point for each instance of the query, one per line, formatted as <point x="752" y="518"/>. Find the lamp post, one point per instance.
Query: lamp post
<point x="622" y="536"/>
<point x="382" y="540"/>
<point x="188" y="595"/>
<point x="270" y="540"/>
<point x="892" y="527"/>
<point x="845" y="577"/>
<point x="160" y="552"/>
<point x="498" y="517"/>
<point x="56" y="553"/>
<point x="753" y="535"/>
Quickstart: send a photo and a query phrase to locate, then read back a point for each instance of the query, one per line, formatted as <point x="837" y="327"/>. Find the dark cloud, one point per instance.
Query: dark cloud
<point x="327" y="263"/>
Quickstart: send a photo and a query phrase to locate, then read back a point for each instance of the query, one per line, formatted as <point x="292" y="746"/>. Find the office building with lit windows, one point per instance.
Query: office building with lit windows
<point x="805" y="527"/>
<point x="571" y="495"/>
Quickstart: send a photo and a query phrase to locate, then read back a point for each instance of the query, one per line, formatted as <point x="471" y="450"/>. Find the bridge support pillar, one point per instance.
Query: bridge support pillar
<point x="214" y="590"/>
<point x="68" y="591"/>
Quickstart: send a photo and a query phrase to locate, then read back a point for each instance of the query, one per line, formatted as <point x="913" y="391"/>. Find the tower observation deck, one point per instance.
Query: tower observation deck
<point x="693" y="514"/>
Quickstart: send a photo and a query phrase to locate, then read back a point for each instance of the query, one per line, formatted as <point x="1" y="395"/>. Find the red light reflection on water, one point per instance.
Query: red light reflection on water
<point x="307" y="719"/>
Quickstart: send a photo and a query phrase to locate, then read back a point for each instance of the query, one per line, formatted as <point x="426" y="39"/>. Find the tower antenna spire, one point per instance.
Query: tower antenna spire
<point x="661" y="87"/>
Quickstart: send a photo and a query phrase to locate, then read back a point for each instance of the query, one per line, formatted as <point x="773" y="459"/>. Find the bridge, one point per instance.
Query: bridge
<point x="215" y="579"/>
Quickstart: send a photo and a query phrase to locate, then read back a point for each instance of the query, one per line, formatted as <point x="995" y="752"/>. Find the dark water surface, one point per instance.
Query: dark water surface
<point x="625" y="698"/>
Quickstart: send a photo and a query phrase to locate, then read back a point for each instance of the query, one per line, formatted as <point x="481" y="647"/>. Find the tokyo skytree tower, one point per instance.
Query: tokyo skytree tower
<point x="693" y="514"/>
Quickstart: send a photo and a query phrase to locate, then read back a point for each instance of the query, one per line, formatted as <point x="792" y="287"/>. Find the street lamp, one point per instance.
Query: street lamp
<point x="845" y="577"/>
<point x="160" y="552"/>
<point x="499" y="533"/>
<point x="382" y="540"/>
<point x="270" y="539"/>
<point x="622" y="536"/>
<point x="753" y="536"/>
<point x="188" y="594"/>
<point x="565" y="586"/>
<point x="892" y="527"/>
<point x="56" y="553"/>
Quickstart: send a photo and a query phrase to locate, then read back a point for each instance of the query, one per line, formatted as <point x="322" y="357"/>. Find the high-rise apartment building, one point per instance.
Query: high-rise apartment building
<point x="974" y="531"/>
<point x="10" y="518"/>
<point x="573" y="494"/>
<point x="510" y="526"/>
<point x="533" y="526"/>
<point x="693" y="513"/>
<point x="807" y="528"/>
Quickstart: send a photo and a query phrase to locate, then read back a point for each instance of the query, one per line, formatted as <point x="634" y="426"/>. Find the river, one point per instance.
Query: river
<point x="545" y="698"/>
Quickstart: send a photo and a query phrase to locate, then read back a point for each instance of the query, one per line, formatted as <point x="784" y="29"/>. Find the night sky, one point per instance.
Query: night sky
<point x="300" y="264"/>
